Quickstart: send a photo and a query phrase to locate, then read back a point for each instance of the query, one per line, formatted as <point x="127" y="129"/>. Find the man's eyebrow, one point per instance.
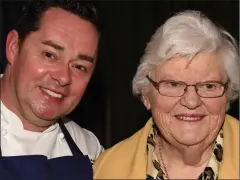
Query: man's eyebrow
<point x="85" y="57"/>
<point x="61" y="48"/>
<point x="54" y="45"/>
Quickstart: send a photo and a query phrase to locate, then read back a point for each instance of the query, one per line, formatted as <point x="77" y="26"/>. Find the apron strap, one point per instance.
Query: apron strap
<point x="0" y="151"/>
<point x="72" y="145"/>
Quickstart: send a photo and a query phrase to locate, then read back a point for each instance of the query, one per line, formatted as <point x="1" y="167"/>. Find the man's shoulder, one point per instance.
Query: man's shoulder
<point x="85" y="139"/>
<point x="76" y="130"/>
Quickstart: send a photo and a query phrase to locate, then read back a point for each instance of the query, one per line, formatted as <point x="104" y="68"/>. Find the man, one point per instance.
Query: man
<point x="51" y="57"/>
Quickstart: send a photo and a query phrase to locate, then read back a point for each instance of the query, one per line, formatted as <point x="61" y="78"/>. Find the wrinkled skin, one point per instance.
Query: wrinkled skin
<point x="189" y="142"/>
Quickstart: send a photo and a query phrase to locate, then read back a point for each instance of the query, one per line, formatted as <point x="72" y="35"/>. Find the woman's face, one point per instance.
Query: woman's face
<point x="189" y="119"/>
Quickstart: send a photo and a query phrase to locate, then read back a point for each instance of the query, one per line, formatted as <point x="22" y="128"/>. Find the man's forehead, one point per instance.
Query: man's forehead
<point x="66" y="22"/>
<point x="55" y="12"/>
<point x="61" y="17"/>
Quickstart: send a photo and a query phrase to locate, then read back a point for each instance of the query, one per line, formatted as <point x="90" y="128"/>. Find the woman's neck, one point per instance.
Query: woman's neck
<point x="184" y="161"/>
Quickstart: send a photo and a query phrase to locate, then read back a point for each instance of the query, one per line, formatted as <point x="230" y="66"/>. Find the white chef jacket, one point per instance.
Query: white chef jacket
<point x="17" y="141"/>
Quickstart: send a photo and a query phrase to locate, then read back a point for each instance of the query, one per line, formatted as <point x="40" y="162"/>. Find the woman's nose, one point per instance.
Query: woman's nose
<point x="191" y="99"/>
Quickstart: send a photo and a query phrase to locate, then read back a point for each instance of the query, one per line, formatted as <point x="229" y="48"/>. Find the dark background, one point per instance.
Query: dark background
<point x="108" y="107"/>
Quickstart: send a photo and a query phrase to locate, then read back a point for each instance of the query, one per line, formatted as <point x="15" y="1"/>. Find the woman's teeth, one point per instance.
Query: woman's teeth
<point x="187" y="118"/>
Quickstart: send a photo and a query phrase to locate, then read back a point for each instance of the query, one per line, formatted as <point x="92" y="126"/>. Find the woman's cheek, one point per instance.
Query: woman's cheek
<point x="215" y="106"/>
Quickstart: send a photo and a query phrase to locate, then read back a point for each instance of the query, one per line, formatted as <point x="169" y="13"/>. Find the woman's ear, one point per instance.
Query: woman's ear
<point x="146" y="101"/>
<point x="12" y="46"/>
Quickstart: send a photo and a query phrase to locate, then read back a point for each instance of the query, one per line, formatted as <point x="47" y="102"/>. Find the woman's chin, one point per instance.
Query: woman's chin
<point x="189" y="140"/>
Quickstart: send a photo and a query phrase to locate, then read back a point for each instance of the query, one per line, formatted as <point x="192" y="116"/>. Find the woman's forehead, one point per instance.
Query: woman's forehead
<point x="203" y="65"/>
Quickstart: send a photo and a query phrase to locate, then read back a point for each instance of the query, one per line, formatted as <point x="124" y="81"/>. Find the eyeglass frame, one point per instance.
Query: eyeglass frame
<point x="156" y="85"/>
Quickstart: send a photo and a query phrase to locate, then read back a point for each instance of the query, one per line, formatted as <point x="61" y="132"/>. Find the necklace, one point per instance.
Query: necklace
<point x="161" y="158"/>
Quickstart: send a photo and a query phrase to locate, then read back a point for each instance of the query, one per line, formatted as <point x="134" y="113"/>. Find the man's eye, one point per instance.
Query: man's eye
<point x="80" y="67"/>
<point x="49" y="55"/>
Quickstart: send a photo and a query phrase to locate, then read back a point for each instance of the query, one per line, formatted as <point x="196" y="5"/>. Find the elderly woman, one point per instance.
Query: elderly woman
<point x="187" y="78"/>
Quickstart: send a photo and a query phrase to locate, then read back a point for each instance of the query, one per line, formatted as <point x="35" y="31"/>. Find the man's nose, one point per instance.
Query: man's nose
<point x="191" y="99"/>
<point x="62" y="75"/>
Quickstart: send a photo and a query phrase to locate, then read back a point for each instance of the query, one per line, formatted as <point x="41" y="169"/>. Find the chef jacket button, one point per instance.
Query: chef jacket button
<point x="61" y="136"/>
<point x="4" y="132"/>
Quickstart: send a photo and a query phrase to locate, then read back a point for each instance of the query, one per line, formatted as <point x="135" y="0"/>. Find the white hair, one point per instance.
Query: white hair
<point x="186" y="34"/>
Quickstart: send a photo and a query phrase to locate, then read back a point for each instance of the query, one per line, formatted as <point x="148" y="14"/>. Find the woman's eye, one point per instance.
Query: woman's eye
<point x="171" y="84"/>
<point x="174" y="84"/>
<point x="49" y="55"/>
<point x="209" y="86"/>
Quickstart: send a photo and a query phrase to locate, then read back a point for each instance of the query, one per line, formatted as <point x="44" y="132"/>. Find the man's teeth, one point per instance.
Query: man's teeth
<point x="187" y="118"/>
<point x="52" y="94"/>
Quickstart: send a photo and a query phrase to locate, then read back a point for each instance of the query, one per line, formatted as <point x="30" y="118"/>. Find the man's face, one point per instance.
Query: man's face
<point x="51" y="70"/>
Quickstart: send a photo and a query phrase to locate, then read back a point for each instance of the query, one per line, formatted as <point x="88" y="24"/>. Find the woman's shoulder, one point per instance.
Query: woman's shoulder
<point x="230" y="164"/>
<point x="231" y="123"/>
<point x="122" y="148"/>
<point x="231" y="130"/>
<point x="122" y="155"/>
<point x="132" y="142"/>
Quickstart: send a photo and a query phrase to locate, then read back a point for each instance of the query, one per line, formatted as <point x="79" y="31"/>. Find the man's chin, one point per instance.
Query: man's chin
<point x="48" y="113"/>
<point x="48" y="116"/>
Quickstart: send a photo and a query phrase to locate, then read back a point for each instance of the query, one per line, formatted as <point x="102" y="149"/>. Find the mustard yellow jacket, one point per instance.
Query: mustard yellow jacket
<point x="128" y="159"/>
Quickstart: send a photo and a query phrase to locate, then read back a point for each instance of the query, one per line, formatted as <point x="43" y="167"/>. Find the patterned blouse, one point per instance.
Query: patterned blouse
<point x="155" y="170"/>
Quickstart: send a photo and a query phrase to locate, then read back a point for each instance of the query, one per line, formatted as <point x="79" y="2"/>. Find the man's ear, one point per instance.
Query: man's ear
<point x="12" y="46"/>
<point x="146" y="102"/>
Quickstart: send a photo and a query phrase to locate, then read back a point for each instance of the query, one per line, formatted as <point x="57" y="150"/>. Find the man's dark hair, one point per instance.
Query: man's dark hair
<point x="33" y="12"/>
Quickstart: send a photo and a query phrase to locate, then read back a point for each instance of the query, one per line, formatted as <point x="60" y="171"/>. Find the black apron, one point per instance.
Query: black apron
<point x="38" y="167"/>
